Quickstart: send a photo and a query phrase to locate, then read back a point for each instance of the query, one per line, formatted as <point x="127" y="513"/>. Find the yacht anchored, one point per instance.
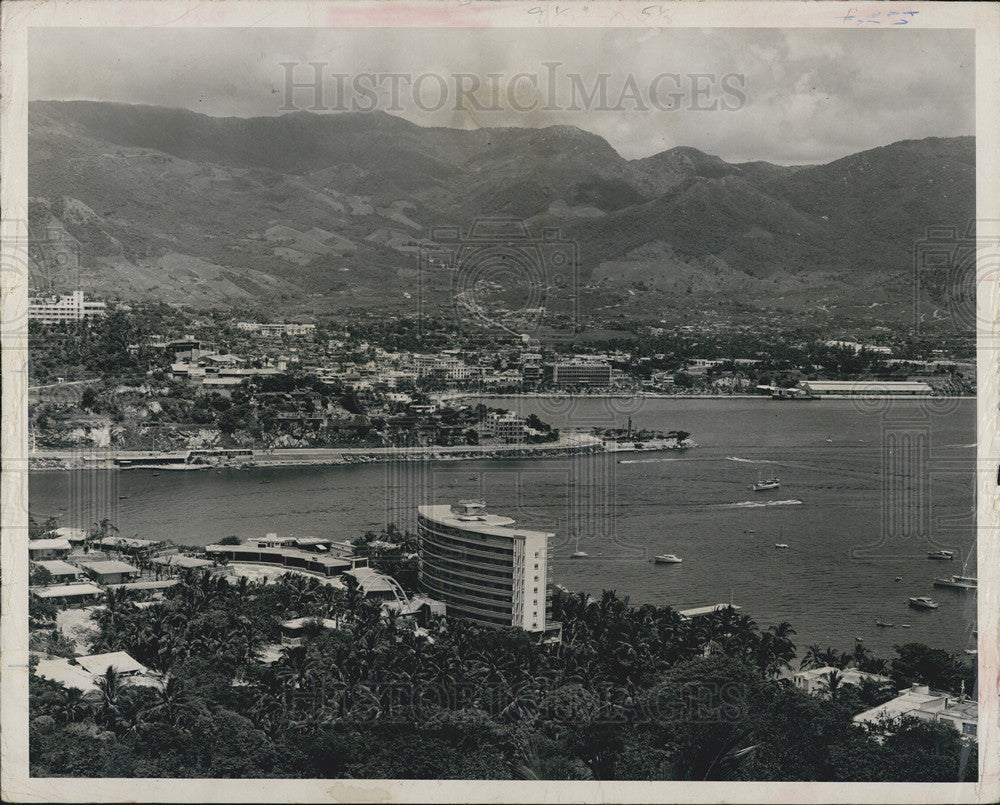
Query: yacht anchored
<point x="882" y="624"/>
<point x="959" y="582"/>
<point x="781" y="545"/>
<point x="923" y="602"/>
<point x="667" y="559"/>
<point x="943" y="555"/>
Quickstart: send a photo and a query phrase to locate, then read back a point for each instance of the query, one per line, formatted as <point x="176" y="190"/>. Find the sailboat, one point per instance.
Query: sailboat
<point x="578" y="554"/>
<point x="882" y="624"/>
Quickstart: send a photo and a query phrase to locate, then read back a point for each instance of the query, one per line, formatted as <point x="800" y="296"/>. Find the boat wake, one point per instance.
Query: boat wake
<point x="750" y="460"/>
<point x="649" y="460"/>
<point x="756" y="504"/>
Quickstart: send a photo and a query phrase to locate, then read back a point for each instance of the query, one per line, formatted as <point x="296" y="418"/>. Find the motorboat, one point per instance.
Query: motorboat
<point x="780" y="545"/>
<point x="766" y="484"/>
<point x="923" y="602"/>
<point x="883" y="625"/>
<point x="667" y="559"/>
<point x="958" y="582"/>
<point x="579" y="555"/>
<point x="942" y="555"/>
<point x="898" y="578"/>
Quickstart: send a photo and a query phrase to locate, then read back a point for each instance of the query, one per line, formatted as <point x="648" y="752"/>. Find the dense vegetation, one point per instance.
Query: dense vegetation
<point x="630" y="693"/>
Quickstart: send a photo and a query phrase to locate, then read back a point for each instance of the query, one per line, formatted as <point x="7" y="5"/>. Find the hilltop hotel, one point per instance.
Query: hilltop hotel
<point x="484" y="569"/>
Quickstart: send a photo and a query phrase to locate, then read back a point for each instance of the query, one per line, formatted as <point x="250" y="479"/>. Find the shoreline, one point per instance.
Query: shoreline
<point x="653" y="395"/>
<point x="569" y="444"/>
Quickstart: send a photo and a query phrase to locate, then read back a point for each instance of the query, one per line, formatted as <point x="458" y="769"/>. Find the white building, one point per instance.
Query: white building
<point x="55" y="309"/>
<point x="507" y="425"/>
<point x="275" y="330"/>
<point x="921" y="702"/>
<point x="484" y="569"/>
<point x="816" y="680"/>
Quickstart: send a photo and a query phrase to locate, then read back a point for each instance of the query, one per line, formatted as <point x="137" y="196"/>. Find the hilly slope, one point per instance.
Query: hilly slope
<point x="331" y="211"/>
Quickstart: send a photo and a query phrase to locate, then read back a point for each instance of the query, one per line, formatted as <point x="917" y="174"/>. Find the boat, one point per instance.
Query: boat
<point x="943" y="555"/>
<point x="780" y="545"/>
<point x="766" y="484"/>
<point x="155" y="474"/>
<point x="123" y="497"/>
<point x="898" y="578"/>
<point x="749" y="531"/>
<point x="904" y="626"/>
<point x="667" y="559"/>
<point x="972" y="651"/>
<point x="923" y="602"/>
<point x="958" y="582"/>
<point x="579" y="555"/>
<point x="883" y="625"/>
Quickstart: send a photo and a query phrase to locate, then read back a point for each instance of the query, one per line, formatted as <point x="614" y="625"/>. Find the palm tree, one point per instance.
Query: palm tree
<point x="108" y="698"/>
<point x="73" y="706"/>
<point x="173" y="702"/>
<point x="833" y="683"/>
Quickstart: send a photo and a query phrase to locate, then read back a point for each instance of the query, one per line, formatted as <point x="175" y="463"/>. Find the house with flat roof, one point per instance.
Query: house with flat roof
<point x="83" y="672"/>
<point x="130" y="545"/>
<point x="919" y="701"/>
<point x="61" y="572"/>
<point x="68" y="594"/>
<point x="181" y="561"/>
<point x="54" y="548"/>
<point x="76" y="536"/>
<point x="109" y="571"/>
<point x="816" y="680"/>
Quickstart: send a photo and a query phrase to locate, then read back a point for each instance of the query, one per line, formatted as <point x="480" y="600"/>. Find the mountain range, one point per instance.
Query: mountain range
<point x="307" y="212"/>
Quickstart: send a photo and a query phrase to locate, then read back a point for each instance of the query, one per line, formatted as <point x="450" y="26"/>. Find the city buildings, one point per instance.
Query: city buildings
<point x="485" y="569"/>
<point x="56" y="309"/>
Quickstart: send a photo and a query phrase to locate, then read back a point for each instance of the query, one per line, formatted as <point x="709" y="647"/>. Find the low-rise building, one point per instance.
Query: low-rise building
<point x="68" y="594"/>
<point x="83" y="672"/>
<point x="56" y="548"/>
<point x="109" y="571"/>
<point x="919" y="701"/>
<point x="61" y="572"/>
<point x="817" y="680"/>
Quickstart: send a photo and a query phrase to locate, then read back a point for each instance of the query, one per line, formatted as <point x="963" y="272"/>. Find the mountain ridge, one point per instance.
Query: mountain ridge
<point x="186" y="207"/>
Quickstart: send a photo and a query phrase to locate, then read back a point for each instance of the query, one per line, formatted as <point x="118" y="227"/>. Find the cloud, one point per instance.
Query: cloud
<point x="811" y="95"/>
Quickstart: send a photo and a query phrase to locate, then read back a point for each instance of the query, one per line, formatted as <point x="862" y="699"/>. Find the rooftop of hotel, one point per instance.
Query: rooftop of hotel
<point x="471" y="515"/>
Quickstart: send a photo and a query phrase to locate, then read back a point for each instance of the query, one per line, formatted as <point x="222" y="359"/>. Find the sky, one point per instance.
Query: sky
<point x="788" y="96"/>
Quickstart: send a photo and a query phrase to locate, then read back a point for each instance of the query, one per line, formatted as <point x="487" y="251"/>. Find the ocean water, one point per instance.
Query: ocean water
<point x="867" y="489"/>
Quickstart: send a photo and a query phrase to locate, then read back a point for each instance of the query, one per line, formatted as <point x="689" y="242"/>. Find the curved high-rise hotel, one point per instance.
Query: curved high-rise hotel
<point x="484" y="568"/>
